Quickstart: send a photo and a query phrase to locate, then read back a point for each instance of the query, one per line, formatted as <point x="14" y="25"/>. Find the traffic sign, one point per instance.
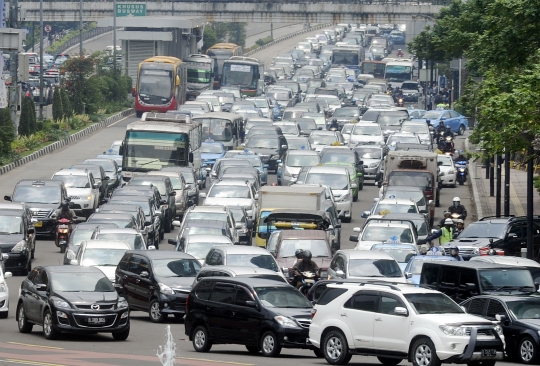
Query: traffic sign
<point x="130" y="9"/>
<point x="27" y="30"/>
<point x="47" y="28"/>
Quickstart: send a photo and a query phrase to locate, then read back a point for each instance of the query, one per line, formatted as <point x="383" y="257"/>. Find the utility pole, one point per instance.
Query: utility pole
<point x="80" y="30"/>
<point x="507" y="184"/>
<point x="14" y="64"/>
<point x="114" y="37"/>
<point x="499" y="186"/>
<point x="41" y="60"/>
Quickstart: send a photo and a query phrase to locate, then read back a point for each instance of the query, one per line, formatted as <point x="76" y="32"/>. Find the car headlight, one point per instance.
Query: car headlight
<point x="59" y="303"/>
<point x="3" y="287"/>
<point x="19" y="247"/>
<point x="476" y="251"/>
<point x="286" y="173"/>
<point x="285" y="322"/>
<point x="70" y="254"/>
<point x="373" y="165"/>
<point x="89" y="198"/>
<point x="165" y="289"/>
<point x="450" y="172"/>
<point x="498" y="329"/>
<point x="442" y="174"/>
<point x="454" y="331"/>
<point x="122" y="303"/>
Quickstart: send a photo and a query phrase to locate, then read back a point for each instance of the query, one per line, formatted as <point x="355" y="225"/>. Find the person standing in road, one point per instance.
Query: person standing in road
<point x="445" y="234"/>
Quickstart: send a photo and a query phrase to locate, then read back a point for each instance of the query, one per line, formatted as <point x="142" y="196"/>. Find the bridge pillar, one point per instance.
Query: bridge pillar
<point x="415" y="26"/>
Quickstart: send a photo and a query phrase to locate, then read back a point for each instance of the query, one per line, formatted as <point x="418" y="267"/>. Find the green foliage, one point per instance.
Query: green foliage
<point x="536" y="182"/>
<point x="237" y="33"/>
<point x="224" y="32"/>
<point x="262" y="41"/>
<point x="7" y="131"/>
<point x="66" y="104"/>
<point x="27" y="120"/>
<point x="210" y="38"/>
<point x="74" y="33"/>
<point x="57" y="110"/>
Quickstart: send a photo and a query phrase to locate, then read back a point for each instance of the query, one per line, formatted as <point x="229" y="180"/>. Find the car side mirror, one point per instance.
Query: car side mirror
<point x="8" y="274"/>
<point x="470" y="287"/>
<point x="284" y="147"/>
<point x="147" y="223"/>
<point x="408" y="274"/>
<point x="430" y="202"/>
<point x="41" y="287"/>
<point x="74" y="262"/>
<point x="7" y="198"/>
<point x="353" y="238"/>
<point x="340" y="273"/>
<point x="176" y="223"/>
<point x="512" y="235"/>
<point x="398" y="310"/>
<point x="365" y="214"/>
<point x="31" y="230"/>
<point x="145" y="274"/>
<point x="251" y="304"/>
<point x="151" y="247"/>
<point x="500" y="317"/>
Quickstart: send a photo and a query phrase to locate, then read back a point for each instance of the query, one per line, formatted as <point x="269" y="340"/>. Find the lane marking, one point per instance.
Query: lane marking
<point x="25" y="362"/>
<point x="120" y="120"/>
<point x="214" y="361"/>
<point x="34" y="345"/>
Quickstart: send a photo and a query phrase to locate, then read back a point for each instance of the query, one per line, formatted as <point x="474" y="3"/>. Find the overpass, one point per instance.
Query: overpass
<point x="367" y="12"/>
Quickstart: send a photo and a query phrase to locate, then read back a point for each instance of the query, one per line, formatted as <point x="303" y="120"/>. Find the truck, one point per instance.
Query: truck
<point x="413" y="168"/>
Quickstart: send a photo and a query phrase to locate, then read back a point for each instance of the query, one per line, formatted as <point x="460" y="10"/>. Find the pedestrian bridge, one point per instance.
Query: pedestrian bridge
<point x="280" y="11"/>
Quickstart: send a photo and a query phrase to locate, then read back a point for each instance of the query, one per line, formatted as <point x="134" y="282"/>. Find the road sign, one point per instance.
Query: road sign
<point x="27" y="30"/>
<point x="130" y="9"/>
<point x="47" y="28"/>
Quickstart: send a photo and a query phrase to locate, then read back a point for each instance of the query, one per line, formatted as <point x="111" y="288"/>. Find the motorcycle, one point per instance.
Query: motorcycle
<point x="455" y="217"/>
<point x="308" y="280"/>
<point x="400" y="102"/>
<point x="462" y="171"/>
<point x="63" y="232"/>
<point x="446" y="144"/>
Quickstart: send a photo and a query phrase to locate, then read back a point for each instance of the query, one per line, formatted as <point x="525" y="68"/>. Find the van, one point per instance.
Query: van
<point x="461" y="280"/>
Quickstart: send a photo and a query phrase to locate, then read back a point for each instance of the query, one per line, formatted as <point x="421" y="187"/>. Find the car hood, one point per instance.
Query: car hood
<point x="79" y="298"/>
<point x="211" y="156"/>
<point x="41" y="206"/>
<point x="262" y="151"/>
<point x="79" y="191"/>
<point x="293" y="169"/>
<point x="456" y="319"/>
<point x="302" y="313"/>
<point x="318" y="148"/>
<point x="533" y="322"/>
<point x="471" y="242"/>
<point x="216" y="201"/>
<point x="10" y="239"/>
<point x="363" y="138"/>
<point x="108" y="271"/>
<point x="322" y="262"/>
<point x="411" y="91"/>
<point x="177" y="283"/>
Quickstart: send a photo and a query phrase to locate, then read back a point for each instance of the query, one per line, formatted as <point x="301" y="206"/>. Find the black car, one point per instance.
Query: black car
<point x="43" y="197"/>
<point x="263" y="315"/>
<point x="150" y="214"/>
<point x="519" y="321"/>
<point x="71" y="299"/>
<point x="111" y="170"/>
<point x="158" y="282"/>
<point x="16" y="240"/>
<point x="271" y="148"/>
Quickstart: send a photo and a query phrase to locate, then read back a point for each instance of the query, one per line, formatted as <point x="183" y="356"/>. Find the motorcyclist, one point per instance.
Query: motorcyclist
<point x="448" y="132"/>
<point x="461" y="156"/>
<point x="447" y="215"/>
<point x="445" y="234"/>
<point x="64" y="212"/>
<point x="460" y="225"/>
<point x="454" y="253"/>
<point x="458" y="208"/>
<point x="305" y="265"/>
<point x="299" y="254"/>
<point x="334" y="124"/>
<point x="389" y="89"/>
<point x="399" y="53"/>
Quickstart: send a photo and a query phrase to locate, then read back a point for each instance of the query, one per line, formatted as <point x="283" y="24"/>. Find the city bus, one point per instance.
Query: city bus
<point x="242" y="72"/>
<point x="348" y="56"/>
<point x="221" y="52"/>
<point x="161" y="140"/>
<point x="200" y="74"/>
<point x="398" y="71"/>
<point x="161" y="85"/>
<point x="221" y="127"/>
<point x="375" y="68"/>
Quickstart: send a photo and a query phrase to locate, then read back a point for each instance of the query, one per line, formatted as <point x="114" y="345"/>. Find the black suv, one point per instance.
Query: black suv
<point x="16" y="238"/>
<point x="71" y="299"/>
<point x="263" y="315"/>
<point x="43" y="197"/>
<point x="157" y="281"/>
<point x="505" y="233"/>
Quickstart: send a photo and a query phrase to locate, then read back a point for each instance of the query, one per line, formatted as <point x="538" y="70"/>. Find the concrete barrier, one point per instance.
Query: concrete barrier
<point x="67" y="141"/>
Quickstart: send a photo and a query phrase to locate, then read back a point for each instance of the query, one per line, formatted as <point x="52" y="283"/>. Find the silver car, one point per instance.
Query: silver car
<point x="373" y="158"/>
<point x="289" y="169"/>
<point x="81" y="188"/>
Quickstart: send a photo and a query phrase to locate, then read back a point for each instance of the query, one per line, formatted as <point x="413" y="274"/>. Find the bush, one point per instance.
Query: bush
<point x="57" y="110"/>
<point x="7" y="132"/>
<point x="27" y="121"/>
<point x="262" y="41"/>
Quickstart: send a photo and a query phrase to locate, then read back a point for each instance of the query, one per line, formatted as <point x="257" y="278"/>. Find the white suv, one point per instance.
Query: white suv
<point x="82" y="190"/>
<point x="397" y="322"/>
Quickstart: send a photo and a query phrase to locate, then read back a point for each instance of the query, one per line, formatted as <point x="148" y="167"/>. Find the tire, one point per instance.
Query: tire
<point x="27" y="269"/>
<point x="48" y="326"/>
<point x="335" y="348"/>
<point x="138" y="114"/>
<point x="527" y="351"/>
<point x="361" y="186"/>
<point x="161" y="234"/>
<point x="4" y="314"/>
<point x="252" y="349"/>
<point x="423" y="353"/>
<point x="346" y="219"/>
<point x="62" y="248"/>
<point x="318" y="353"/>
<point x="461" y="130"/>
<point x="355" y="197"/>
<point x="121" y="335"/>
<point x="201" y="341"/>
<point x="168" y="224"/>
<point x="387" y="361"/>
<point x="22" y="321"/>
<point x="179" y="316"/>
<point x="156" y="316"/>
<point x="270" y="346"/>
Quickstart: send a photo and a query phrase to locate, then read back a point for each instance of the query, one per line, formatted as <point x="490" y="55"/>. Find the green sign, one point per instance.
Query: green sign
<point x="130" y="9"/>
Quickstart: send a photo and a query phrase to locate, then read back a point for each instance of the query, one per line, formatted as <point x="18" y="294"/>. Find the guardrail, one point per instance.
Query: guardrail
<point x="86" y="35"/>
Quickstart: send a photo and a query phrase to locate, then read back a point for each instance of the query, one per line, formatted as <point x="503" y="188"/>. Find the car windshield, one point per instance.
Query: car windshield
<point x="345" y="156"/>
<point x="416" y="196"/>
<point x="134" y="241"/>
<point x="37" y="194"/>
<point x="298" y="143"/>
<point x="73" y="181"/>
<point x="121" y="223"/>
<point x="484" y="230"/>
<point x="81" y="282"/>
<point x="386" y="208"/>
<point x="211" y="149"/>
<point x="184" y="267"/>
<point x="189" y="178"/>
<point x="318" y="247"/>
<point x="289" y="129"/>
<point x="445" y="161"/>
<point x="415" y="179"/>
<point x="334" y="181"/>
<point x="198" y="230"/>
<point x="504" y="279"/>
<point x="374" y="268"/>
<point x="368" y="153"/>
<point x="525" y="309"/>
<point x="320" y="139"/>
<point x="433" y="303"/>
<point x="362" y="130"/>
<point x="282" y="297"/>
<point x="384" y="234"/>
<point x="145" y="205"/>
<point x="393" y="140"/>
<point x="218" y="216"/>
<point x="199" y="250"/>
<point x="432" y="115"/>
<point x="302" y="160"/>
<point x="262" y="142"/>
<point x="254" y="260"/>
<point x="400" y="254"/>
<point x="10" y="225"/>
<point x="158" y="183"/>
<point x="347" y="129"/>
<point x="107" y="164"/>
<point x="415" y="128"/>
<point x="223" y="191"/>
<point x="102" y="257"/>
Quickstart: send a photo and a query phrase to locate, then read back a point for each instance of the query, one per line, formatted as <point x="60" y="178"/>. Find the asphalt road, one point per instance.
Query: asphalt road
<point x="145" y="337"/>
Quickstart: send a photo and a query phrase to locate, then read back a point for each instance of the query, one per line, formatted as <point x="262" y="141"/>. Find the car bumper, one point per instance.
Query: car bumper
<point x="173" y="304"/>
<point x="344" y="208"/>
<point x="4" y="301"/>
<point x="470" y="349"/>
<point x="76" y="321"/>
<point x="371" y="173"/>
<point x="17" y="261"/>
<point x="44" y="226"/>
<point x="448" y="180"/>
<point x="294" y="338"/>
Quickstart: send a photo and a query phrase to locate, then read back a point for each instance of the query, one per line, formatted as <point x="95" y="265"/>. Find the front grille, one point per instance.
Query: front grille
<point x="75" y="197"/>
<point x="304" y="323"/>
<point x="462" y="250"/>
<point x="41" y="213"/>
<point x="482" y="332"/>
<point x="101" y="307"/>
<point x="82" y="320"/>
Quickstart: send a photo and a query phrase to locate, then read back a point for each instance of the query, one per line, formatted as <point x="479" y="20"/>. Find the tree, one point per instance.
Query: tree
<point x="222" y="30"/>
<point x="57" y="109"/>
<point x="67" y="111"/>
<point x="209" y="38"/>
<point x="7" y="131"/>
<point x="26" y="118"/>
<point x="32" y="112"/>
<point x="82" y="88"/>
<point x="237" y="33"/>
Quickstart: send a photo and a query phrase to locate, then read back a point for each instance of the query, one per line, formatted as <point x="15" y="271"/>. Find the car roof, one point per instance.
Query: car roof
<point x="374" y="285"/>
<point x="404" y="188"/>
<point x="161" y="254"/>
<point x="303" y="234"/>
<point x="395" y="201"/>
<point x="209" y="209"/>
<point x="106" y="244"/>
<point x="507" y="260"/>
<point x="120" y="230"/>
<point x="42" y="182"/>
<point x="230" y="183"/>
<point x="242" y="249"/>
<point x="365" y="254"/>
<point x="70" y="171"/>
<point x="240" y="270"/>
<point x="104" y="215"/>
<point x="328" y="170"/>
<point x="205" y="223"/>
<point x="73" y="269"/>
<point x="302" y="152"/>
<point x="205" y="238"/>
<point x="480" y="265"/>
<point x="249" y="281"/>
<point x="372" y="223"/>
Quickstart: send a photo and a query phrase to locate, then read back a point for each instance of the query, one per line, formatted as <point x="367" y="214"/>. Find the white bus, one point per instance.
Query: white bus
<point x="398" y="71"/>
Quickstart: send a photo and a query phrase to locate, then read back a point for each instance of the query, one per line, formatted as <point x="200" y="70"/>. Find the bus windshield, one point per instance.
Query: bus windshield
<point x="152" y="150"/>
<point x="240" y="74"/>
<point x="198" y="76"/>
<point x="373" y="68"/>
<point x="342" y="58"/>
<point x="216" y="129"/>
<point x="398" y="73"/>
<point x="156" y="83"/>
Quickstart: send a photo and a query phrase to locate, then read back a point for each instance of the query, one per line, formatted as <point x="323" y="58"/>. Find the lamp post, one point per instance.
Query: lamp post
<point x="80" y="30"/>
<point x="40" y="60"/>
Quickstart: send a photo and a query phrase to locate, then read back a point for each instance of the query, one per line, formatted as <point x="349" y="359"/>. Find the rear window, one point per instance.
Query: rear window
<point x="330" y="295"/>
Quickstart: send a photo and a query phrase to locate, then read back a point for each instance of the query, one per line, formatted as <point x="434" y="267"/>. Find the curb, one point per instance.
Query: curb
<point x="68" y="140"/>
<point x="472" y="175"/>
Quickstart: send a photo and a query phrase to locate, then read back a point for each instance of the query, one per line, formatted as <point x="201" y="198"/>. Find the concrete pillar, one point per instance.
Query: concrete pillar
<point x="415" y="26"/>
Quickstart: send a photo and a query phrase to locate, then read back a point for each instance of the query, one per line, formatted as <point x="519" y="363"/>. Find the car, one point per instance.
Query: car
<point x="193" y="183"/>
<point x="157" y="282"/>
<point x="532" y="265"/>
<point x="320" y="139"/>
<point x="116" y="148"/>
<point x="384" y="231"/>
<point x="71" y="299"/>
<point x="83" y="190"/>
<point x="271" y="315"/>
<point x="373" y="158"/>
<point x="256" y="162"/>
<point x="367" y="133"/>
<point x="293" y="162"/>
<point x="99" y="177"/>
<point x="236" y="255"/>
<point x="181" y="198"/>
<point x="112" y="170"/>
<point x="397" y="138"/>
<point x="447" y="170"/>
<point x="414" y="267"/>
<point x="4" y="293"/>
<point x="416" y="194"/>
<point x="230" y="192"/>
<point x="142" y="225"/>
<point x="298" y="143"/>
<point x="102" y="254"/>
<point x="457" y="122"/>
<point x="518" y="318"/>
<point x="392" y="205"/>
<point x="420" y="222"/>
<point x="198" y="245"/>
<point x="402" y="253"/>
<point x="270" y="148"/>
<point x="263" y="104"/>
<point x="345" y="115"/>
<point x="80" y="233"/>
<point x="201" y="227"/>
<point x="223" y="163"/>
<point x="210" y="152"/>
<point x="400" y="322"/>
<point x="420" y="129"/>
<point x="131" y="237"/>
<point x="43" y="198"/>
<point x="219" y="213"/>
<point x="245" y="233"/>
<point x="17" y="240"/>
<point x="415" y="114"/>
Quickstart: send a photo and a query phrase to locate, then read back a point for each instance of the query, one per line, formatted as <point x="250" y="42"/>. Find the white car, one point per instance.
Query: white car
<point x="4" y="293"/>
<point x="263" y="104"/>
<point x="103" y="254"/>
<point x="400" y="322"/>
<point x="421" y="130"/>
<point x="447" y="170"/>
<point x="293" y="163"/>
<point x="367" y="133"/>
<point x="232" y="193"/>
<point x="365" y="265"/>
<point x="81" y="188"/>
<point x="383" y="232"/>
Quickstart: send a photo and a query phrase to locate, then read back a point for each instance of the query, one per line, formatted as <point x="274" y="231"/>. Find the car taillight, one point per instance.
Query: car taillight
<point x="187" y="303"/>
<point x="313" y="312"/>
<point x="487" y="251"/>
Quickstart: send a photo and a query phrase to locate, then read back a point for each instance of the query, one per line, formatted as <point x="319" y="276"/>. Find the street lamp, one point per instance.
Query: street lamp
<point x="40" y="60"/>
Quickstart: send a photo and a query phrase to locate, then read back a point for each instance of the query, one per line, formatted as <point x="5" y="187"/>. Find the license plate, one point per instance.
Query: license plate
<point x="38" y="224"/>
<point x="489" y="352"/>
<point x="310" y="281"/>
<point x="96" y="320"/>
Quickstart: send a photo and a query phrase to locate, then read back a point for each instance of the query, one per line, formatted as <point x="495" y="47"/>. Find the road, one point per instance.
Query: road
<point x="145" y="338"/>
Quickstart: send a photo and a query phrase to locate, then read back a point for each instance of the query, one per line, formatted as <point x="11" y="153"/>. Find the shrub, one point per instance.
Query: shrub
<point x="7" y="131"/>
<point x="27" y="120"/>
<point x="262" y="41"/>
<point x="57" y="110"/>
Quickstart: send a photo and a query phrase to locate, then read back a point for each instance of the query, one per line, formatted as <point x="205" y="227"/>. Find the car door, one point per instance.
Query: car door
<point x="37" y="305"/>
<point x="449" y="281"/>
<point x="359" y="314"/>
<point x="219" y="313"/>
<point x="516" y="238"/>
<point x="145" y="281"/>
<point x="131" y="281"/>
<point x="390" y="331"/>
<point x="512" y="331"/>
<point x="246" y="319"/>
<point x="28" y="294"/>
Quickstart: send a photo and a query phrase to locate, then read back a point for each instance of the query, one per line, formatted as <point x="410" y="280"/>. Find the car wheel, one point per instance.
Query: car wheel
<point x="355" y="197"/>
<point x="252" y="349"/>
<point x="22" y="321"/>
<point x="4" y="314"/>
<point x="386" y="361"/>
<point x="335" y="348"/>
<point x="423" y="353"/>
<point x="168" y="224"/>
<point x="346" y="219"/>
<point x="361" y="185"/>
<point x="201" y="341"/>
<point x="179" y="316"/>
<point x="155" y="313"/>
<point x="461" y="130"/>
<point x="121" y="335"/>
<point x="48" y="326"/>
<point x="527" y="350"/>
<point x="270" y="346"/>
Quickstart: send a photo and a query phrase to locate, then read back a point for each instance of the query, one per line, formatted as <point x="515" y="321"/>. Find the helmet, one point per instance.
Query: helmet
<point x="448" y="128"/>
<point x="449" y="222"/>
<point x="453" y="247"/>
<point x="461" y="152"/>
<point x="334" y="120"/>
<point x="65" y="204"/>
<point x="307" y="255"/>
<point x="459" y="221"/>
<point x="447" y="213"/>
<point x="456" y="199"/>
<point x="299" y="252"/>
<point x="399" y="49"/>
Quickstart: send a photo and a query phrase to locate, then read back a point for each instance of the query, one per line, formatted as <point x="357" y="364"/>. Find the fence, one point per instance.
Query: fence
<point x="86" y="35"/>
<point x="519" y="160"/>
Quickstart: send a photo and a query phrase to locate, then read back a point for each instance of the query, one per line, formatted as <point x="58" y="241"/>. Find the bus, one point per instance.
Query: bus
<point x="200" y="74"/>
<point x="242" y="72"/>
<point x="161" y="85"/>
<point x="375" y="68"/>
<point x="398" y="71"/>
<point x="221" y="52"/>
<point x="161" y="140"/>
<point x="348" y="56"/>
<point x="221" y="127"/>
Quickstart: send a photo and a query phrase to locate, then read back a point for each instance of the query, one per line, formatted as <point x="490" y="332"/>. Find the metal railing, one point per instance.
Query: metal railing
<point x="86" y="35"/>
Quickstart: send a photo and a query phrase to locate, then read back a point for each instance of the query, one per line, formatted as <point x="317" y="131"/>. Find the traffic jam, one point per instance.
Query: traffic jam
<point x="228" y="206"/>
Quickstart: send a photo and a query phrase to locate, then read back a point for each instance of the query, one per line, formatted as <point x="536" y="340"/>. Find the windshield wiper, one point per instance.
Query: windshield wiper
<point x="152" y="95"/>
<point x="148" y="162"/>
